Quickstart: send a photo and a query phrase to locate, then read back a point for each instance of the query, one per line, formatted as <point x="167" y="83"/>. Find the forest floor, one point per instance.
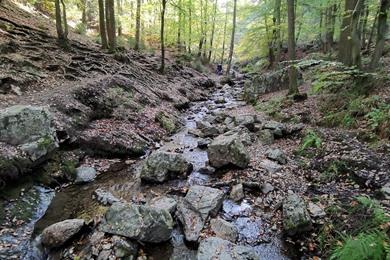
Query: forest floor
<point x="331" y="169"/>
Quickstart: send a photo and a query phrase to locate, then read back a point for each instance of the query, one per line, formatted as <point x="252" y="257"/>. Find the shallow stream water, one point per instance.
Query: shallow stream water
<point x="123" y="182"/>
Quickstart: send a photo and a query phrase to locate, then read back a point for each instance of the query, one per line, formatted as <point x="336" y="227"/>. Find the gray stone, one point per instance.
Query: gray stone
<point x="385" y="191"/>
<point x="237" y="192"/>
<point x="199" y="203"/>
<point x="315" y="210"/>
<point x="246" y="120"/>
<point x="270" y="166"/>
<point x="217" y="248"/>
<point x="224" y="229"/>
<point x="161" y="166"/>
<point x="207" y="129"/>
<point x="164" y="203"/>
<point x="228" y="149"/>
<point x="266" y="136"/>
<point x="278" y="129"/>
<point x="105" y="197"/>
<point x="59" y="233"/>
<point x="143" y="223"/>
<point x="276" y="155"/>
<point x="85" y="174"/>
<point x="220" y="100"/>
<point x="207" y="170"/>
<point x="242" y="133"/>
<point x="124" y="248"/>
<point x="296" y="218"/>
<point x="203" y="143"/>
<point x="266" y="188"/>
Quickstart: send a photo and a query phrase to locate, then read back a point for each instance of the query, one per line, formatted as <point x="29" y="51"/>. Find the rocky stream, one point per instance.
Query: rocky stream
<point x="172" y="203"/>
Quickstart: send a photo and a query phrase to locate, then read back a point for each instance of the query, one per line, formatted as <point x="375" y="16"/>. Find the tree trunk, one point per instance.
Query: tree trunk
<point x="162" y="68"/>
<point x="189" y="26"/>
<point x="65" y="21"/>
<point x="178" y="42"/>
<point x="102" y="25"/>
<point x="292" y="73"/>
<point x="212" y="31"/>
<point x="277" y="38"/>
<point x="60" y="31"/>
<point x="364" y="25"/>
<point x="201" y="40"/>
<point x="349" y="45"/>
<point x="205" y="19"/>
<point x="84" y="12"/>
<point x="137" y="25"/>
<point x="224" y="35"/>
<point x="381" y="34"/>
<point x="232" y="38"/>
<point x="119" y="7"/>
<point x="372" y="30"/>
<point x="110" y="19"/>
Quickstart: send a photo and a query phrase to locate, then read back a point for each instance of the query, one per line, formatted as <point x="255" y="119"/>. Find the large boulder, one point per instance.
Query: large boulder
<point x="85" y="174"/>
<point x="143" y="223"/>
<point x="164" y="202"/>
<point x="226" y="150"/>
<point x="296" y="218"/>
<point x="207" y="129"/>
<point x="224" y="229"/>
<point x="217" y="248"/>
<point x="194" y="209"/>
<point x="27" y="138"/>
<point x="59" y="233"/>
<point x="161" y="166"/>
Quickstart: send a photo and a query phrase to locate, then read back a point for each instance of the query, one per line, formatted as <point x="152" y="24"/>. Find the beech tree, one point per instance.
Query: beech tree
<point x="381" y="33"/>
<point x="102" y="24"/>
<point x="292" y="72"/>
<point x="232" y="38"/>
<point x="164" y="5"/>
<point x="61" y="22"/>
<point x="138" y="25"/>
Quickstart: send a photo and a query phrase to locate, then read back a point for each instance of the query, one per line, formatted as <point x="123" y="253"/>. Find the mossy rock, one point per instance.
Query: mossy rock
<point x="167" y="122"/>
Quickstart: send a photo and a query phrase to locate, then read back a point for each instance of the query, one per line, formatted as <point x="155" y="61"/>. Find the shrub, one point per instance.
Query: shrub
<point x="81" y="29"/>
<point x="311" y="139"/>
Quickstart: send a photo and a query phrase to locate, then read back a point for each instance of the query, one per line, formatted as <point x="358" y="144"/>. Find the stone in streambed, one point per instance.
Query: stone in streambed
<point x="224" y="229"/>
<point x="59" y="233"/>
<point x="207" y="129"/>
<point x="162" y="166"/>
<point x="85" y="174"/>
<point x="217" y="248"/>
<point x="277" y="155"/>
<point x="237" y="192"/>
<point x="105" y="197"/>
<point x="164" y="203"/>
<point x="296" y="218"/>
<point x="143" y="223"/>
<point x="226" y="150"/>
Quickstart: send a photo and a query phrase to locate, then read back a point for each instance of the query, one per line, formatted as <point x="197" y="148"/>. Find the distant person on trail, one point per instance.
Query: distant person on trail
<point x="219" y="70"/>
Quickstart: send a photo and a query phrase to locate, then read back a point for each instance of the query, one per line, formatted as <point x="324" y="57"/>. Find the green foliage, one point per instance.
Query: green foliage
<point x="366" y="246"/>
<point x="311" y="140"/>
<point x="333" y="171"/>
<point x="379" y="120"/>
<point x="271" y="107"/>
<point x="81" y="29"/>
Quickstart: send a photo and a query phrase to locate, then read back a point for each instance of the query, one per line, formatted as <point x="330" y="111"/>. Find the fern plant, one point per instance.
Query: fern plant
<point x="310" y="140"/>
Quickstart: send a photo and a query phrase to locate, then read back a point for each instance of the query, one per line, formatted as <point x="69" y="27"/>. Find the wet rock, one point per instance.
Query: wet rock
<point x="270" y="166"/>
<point x="266" y="188"/>
<point x="266" y="136"/>
<point x="228" y="149"/>
<point x="161" y="166"/>
<point x="246" y="120"/>
<point x="194" y="209"/>
<point x="163" y="202"/>
<point x="296" y="218"/>
<point x="276" y="155"/>
<point x="124" y="248"/>
<point x="204" y="143"/>
<point x="217" y="248"/>
<point x="242" y="133"/>
<point x="237" y="192"/>
<point x="168" y="122"/>
<point x="315" y="210"/>
<point x="27" y="138"/>
<point x="85" y="174"/>
<point x="203" y="82"/>
<point x="278" y="129"/>
<point x="220" y="100"/>
<point x="207" y="129"/>
<point x="143" y="223"/>
<point x="59" y="233"/>
<point x="105" y="197"/>
<point x="224" y="229"/>
<point x="207" y="170"/>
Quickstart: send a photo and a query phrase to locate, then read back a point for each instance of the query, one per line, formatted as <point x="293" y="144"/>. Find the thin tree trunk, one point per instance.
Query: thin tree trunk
<point x="277" y="38"/>
<point x="162" y="68"/>
<point x="224" y="36"/>
<point x="137" y="25"/>
<point x="65" y="21"/>
<point x="232" y="38"/>
<point x="293" y="81"/>
<point x="212" y="31"/>
<point x="372" y="30"/>
<point x="205" y="19"/>
<point x="189" y="26"/>
<point x="102" y="25"/>
<point x="60" y="31"/>
<point x="178" y="42"/>
<point x="364" y="25"/>
<point x="201" y="40"/>
<point x="84" y="12"/>
<point x="119" y="7"/>
<point x="110" y="19"/>
<point x="381" y="34"/>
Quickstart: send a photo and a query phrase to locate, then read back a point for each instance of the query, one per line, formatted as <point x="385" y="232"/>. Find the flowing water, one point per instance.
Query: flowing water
<point x="123" y="182"/>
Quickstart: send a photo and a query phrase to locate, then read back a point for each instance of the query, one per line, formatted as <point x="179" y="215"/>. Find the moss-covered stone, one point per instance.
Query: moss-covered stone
<point x="169" y="123"/>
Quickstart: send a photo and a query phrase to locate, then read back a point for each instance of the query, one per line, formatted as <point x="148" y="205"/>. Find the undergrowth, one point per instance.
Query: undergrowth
<point x="356" y="231"/>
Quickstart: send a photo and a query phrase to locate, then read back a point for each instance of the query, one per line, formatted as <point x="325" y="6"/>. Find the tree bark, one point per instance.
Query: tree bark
<point x="110" y="19"/>
<point x="102" y="25"/>
<point x="224" y="36"/>
<point x="212" y="31"/>
<point x="60" y="31"/>
<point x="137" y="25"/>
<point x="65" y="21"/>
<point x="292" y="73"/>
<point x="119" y="7"/>
<point x="162" y="67"/>
<point x="277" y="36"/>
<point x="381" y="34"/>
<point x="350" y="45"/>
<point x="190" y="26"/>
<point x="232" y="38"/>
